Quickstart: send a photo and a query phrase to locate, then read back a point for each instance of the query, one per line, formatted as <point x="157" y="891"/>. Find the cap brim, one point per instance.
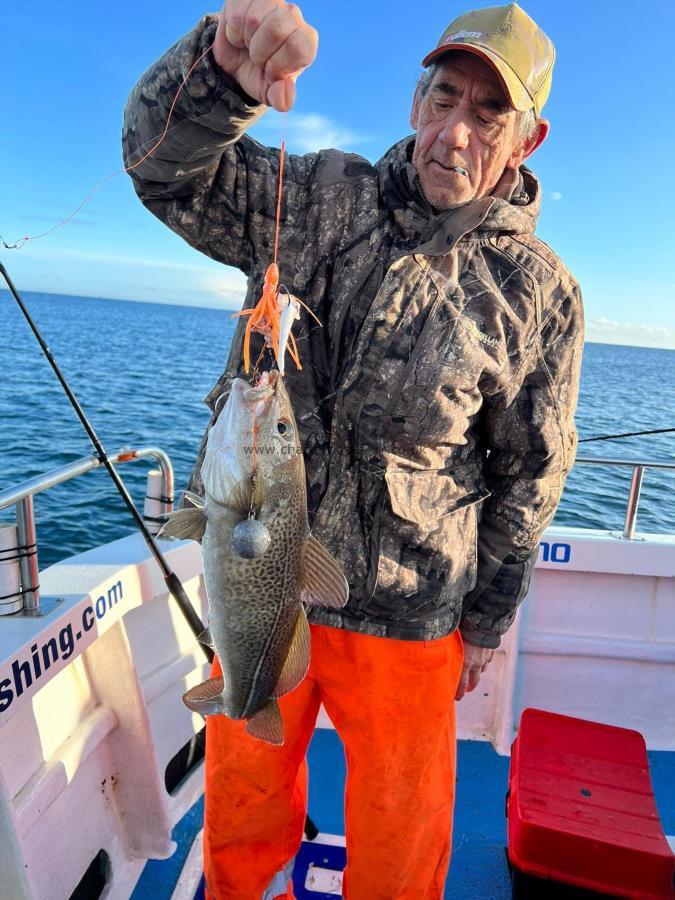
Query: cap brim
<point x="512" y="85"/>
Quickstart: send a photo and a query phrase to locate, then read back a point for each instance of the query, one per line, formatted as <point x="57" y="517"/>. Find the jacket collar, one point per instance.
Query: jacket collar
<point x="512" y="208"/>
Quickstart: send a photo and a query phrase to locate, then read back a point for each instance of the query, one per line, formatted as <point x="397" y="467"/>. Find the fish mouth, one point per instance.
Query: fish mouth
<point x="256" y="396"/>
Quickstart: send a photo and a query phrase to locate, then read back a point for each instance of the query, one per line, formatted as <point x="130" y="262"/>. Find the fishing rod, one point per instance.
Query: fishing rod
<point x="172" y="581"/>
<point x="611" y="437"/>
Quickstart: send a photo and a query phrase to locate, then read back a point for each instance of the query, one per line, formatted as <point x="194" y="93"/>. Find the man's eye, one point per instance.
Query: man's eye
<point x="485" y="122"/>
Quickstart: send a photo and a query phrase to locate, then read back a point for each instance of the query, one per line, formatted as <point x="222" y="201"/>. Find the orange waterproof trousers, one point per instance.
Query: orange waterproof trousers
<point x="392" y="704"/>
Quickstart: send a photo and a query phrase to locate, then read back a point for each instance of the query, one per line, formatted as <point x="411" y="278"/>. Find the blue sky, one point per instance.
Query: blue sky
<point x="67" y="66"/>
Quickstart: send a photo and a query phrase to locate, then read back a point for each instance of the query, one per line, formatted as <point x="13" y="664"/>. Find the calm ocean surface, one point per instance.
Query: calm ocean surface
<point x="140" y="371"/>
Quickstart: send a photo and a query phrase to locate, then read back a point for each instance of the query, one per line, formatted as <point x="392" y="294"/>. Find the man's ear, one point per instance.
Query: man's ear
<point x="527" y="148"/>
<point x="415" y="111"/>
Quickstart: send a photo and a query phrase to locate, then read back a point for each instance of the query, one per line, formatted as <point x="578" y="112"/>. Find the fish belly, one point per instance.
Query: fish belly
<point x="253" y="608"/>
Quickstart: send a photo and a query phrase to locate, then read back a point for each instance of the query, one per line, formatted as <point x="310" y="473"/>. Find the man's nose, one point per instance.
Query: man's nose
<point x="455" y="131"/>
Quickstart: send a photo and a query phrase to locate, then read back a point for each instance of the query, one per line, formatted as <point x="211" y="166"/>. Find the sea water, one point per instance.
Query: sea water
<point x="141" y="371"/>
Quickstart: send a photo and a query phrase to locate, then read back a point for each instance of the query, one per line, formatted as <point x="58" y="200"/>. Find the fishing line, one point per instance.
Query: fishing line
<point x="282" y="154"/>
<point x="17" y="245"/>
<point x="255" y="455"/>
<point x="611" y="437"/>
<point x="171" y="579"/>
<point x="256" y="367"/>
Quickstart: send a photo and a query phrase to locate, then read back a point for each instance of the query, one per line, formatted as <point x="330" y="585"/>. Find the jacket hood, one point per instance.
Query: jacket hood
<point x="513" y="207"/>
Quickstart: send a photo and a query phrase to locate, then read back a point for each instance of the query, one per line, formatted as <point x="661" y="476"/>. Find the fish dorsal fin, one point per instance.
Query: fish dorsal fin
<point x="323" y="583"/>
<point x="297" y="660"/>
<point x="206" y="698"/>
<point x="267" y="725"/>
<point x="186" y="524"/>
<point x="247" y="494"/>
<point x="194" y="499"/>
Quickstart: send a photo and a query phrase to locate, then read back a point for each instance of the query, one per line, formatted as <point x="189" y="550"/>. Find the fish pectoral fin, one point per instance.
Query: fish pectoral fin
<point x="206" y="638"/>
<point x="297" y="660"/>
<point x="323" y="583"/>
<point x="247" y="495"/>
<point x="194" y="499"/>
<point x="267" y="724"/>
<point x="206" y="698"/>
<point x="186" y="524"/>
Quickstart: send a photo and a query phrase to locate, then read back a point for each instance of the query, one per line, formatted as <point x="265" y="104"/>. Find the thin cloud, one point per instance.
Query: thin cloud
<point x="307" y="133"/>
<point x="115" y="259"/>
<point x="555" y="195"/>
<point x="128" y="277"/>
<point x="610" y="331"/>
<point x="228" y="286"/>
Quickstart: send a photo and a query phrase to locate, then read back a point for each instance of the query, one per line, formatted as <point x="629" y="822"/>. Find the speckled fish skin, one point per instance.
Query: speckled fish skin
<point x="254" y="603"/>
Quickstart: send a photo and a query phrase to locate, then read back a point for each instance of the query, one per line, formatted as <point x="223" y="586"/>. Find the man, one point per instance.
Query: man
<point x="436" y="408"/>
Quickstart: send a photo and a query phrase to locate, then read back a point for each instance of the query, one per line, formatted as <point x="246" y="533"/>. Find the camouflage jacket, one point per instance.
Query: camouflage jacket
<point x="436" y="404"/>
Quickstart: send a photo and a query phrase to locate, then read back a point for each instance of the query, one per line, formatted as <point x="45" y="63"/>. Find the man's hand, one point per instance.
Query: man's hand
<point x="476" y="661"/>
<point x="264" y="45"/>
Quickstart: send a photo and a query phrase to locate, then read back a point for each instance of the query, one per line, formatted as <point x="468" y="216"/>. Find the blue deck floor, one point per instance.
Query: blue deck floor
<point x="478" y="870"/>
<point x="478" y="863"/>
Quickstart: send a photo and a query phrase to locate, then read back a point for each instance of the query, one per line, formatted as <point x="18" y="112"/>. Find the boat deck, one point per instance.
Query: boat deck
<point x="478" y="870"/>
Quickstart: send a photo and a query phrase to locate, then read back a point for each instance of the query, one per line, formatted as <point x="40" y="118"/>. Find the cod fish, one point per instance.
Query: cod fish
<point x="260" y="562"/>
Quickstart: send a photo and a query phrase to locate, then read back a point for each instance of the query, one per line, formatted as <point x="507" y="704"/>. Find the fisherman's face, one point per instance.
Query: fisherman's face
<point x="467" y="132"/>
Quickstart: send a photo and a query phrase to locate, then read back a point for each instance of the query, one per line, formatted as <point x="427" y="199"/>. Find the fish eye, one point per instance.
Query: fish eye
<point x="282" y="427"/>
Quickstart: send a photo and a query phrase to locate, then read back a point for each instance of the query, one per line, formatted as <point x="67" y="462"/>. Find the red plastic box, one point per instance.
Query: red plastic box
<point x="581" y="809"/>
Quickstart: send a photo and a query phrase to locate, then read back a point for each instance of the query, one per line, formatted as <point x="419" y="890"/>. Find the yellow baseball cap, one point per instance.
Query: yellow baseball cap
<point x="512" y="43"/>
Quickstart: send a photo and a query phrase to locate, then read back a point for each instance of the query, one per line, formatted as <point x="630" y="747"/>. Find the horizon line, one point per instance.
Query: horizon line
<point x="216" y="306"/>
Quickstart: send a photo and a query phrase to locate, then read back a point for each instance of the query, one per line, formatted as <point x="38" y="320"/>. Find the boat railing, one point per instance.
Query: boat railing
<point x="19" y="585"/>
<point x="19" y="580"/>
<point x="638" y="467"/>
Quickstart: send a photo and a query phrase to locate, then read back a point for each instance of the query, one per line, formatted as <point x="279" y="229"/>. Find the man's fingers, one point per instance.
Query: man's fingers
<point x="468" y="681"/>
<point x="476" y="661"/>
<point x="474" y="678"/>
<point x="274" y="30"/>
<point x="265" y="45"/>
<point x="257" y="12"/>
<point x="464" y="684"/>
<point x="281" y="95"/>
<point x="294" y="55"/>
<point x="235" y="12"/>
<point x="461" y="687"/>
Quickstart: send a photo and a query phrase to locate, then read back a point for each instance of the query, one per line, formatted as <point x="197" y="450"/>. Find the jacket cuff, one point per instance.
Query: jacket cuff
<point x="471" y="635"/>
<point x="489" y="609"/>
<point x="221" y="87"/>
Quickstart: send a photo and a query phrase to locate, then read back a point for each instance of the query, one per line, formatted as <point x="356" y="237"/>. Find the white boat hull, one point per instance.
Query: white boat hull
<point x="85" y="740"/>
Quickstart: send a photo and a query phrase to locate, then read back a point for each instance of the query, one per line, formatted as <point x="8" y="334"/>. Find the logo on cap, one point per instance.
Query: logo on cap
<point x="462" y="34"/>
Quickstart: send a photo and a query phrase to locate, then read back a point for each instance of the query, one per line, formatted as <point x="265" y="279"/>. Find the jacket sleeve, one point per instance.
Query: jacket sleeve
<point x="531" y="442"/>
<point x="207" y="181"/>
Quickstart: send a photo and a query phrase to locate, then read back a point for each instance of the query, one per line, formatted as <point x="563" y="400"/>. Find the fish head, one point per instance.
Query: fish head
<point x="278" y="452"/>
<point x="255" y="434"/>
